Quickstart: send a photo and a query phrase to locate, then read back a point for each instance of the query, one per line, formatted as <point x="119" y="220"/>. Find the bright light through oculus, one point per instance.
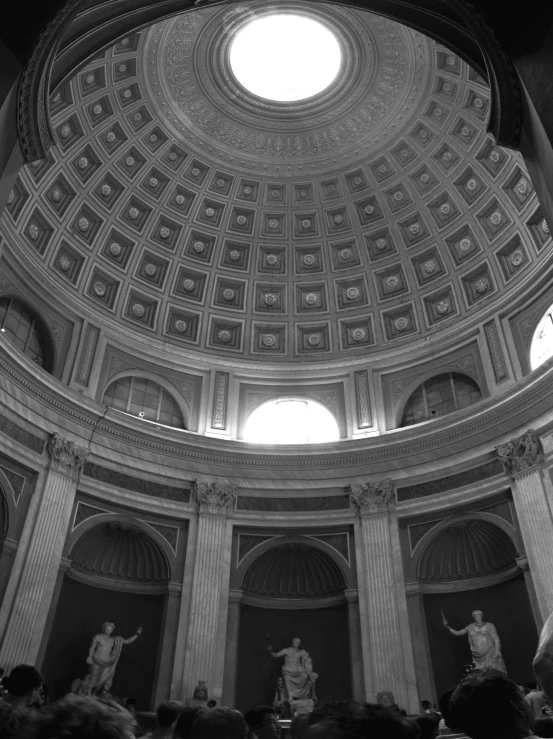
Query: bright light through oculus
<point x="285" y="57"/>
<point x="288" y="421"/>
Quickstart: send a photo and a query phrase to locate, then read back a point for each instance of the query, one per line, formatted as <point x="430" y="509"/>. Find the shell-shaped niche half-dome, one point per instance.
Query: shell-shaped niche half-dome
<point x="294" y="571"/>
<point x="467" y="549"/>
<point x="118" y="550"/>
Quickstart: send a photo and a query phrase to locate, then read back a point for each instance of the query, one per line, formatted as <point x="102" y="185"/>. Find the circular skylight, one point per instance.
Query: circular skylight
<point x="285" y="58"/>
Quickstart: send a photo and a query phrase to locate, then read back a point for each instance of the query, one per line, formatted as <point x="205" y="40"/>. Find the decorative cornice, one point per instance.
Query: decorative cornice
<point x="292" y="603"/>
<point x="212" y="498"/>
<point x="110" y="583"/>
<point x="521" y="453"/>
<point x="66" y="457"/>
<point x="374" y="497"/>
<point x="475" y="583"/>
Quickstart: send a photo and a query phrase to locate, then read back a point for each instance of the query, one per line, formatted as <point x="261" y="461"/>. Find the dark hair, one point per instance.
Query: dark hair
<point x="218" y="723"/>
<point x="487" y="703"/>
<point x="211" y="703"/>
<point x="443" y="705"/>
<point x="425" y="703"/>
<point x="351" y="721"/>
<point x="168" y="712"/>
<point x="82" y="717"/>
<point x="184" y="723"/>
<point x="256" y="716"/>
<point x="23" y="679"/>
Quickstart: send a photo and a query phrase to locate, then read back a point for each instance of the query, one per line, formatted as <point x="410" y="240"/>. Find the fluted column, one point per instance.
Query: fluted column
<point x="387" y="652"/>
<point x="522" y="459"/>
<point x="209" y="590"/>
<point x="29" y="593"/>
<point x="231" y="652"/>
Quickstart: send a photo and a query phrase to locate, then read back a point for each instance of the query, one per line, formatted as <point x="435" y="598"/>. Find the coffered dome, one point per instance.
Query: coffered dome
<point x="194" y="214"/>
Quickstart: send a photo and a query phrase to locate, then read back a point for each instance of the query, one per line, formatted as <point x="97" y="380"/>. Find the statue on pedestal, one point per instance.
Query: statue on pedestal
<point x="102" y="659"/>
<point x="297" y="674"/>
<point x="199" y="698"/>
<point x="483" y="641"/>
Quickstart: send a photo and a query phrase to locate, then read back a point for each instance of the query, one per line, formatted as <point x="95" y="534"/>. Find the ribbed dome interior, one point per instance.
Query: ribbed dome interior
<point x="294" y="571"/>
<point x="467" y="549"/>
<point x="119" y="550"/>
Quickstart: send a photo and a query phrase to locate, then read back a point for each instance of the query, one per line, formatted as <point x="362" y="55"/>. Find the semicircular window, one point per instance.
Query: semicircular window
<point x="145" y="399"/>
<point x="439" y="396"/>
<point x="291" y="421"/>
<point x="24" y="329"/>
<point x="542" y="342"/>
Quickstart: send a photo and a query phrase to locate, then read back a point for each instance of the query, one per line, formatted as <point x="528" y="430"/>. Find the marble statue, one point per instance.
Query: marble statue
<point x="102" y="659"/>
<point x="297" y="673"/>
<point x="483" y="641"/>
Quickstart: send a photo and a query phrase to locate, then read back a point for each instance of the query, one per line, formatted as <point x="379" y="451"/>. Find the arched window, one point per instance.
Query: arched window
<point x="439" y="396"/>
<point x="145" y="399"/>
<point x="542" y="343"/>
<point x="23" y="329"/>
<point x="291" y="421"/>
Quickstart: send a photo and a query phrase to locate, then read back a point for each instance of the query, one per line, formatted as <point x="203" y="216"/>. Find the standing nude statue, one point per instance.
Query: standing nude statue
<point x="483" y="641"/>
<point x="102" y="659"/>
<point x="297" y="672"/>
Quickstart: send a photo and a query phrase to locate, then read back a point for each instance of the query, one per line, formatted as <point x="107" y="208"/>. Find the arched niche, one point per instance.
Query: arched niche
<point x="10" y="301"/>
<point x="117" y="570"/>
<point x="292" y="588"/>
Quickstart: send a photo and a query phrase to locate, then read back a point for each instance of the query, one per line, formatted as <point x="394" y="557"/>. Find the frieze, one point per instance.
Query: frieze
<point x="291" y="505"/>
<point x="138" y="485"/>
<point x="15" y="432"/>
<point x="459" y="480"/>
<point x="374" y="497"/>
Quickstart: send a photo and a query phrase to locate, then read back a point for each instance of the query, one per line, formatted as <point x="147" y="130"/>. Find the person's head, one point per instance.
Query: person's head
<point x="350" y="721"/>
<point x="478" y="617"/>
<point x="296" y="641"/>
<point x="263" y="721"/>
<point x="211" y="703"/>
<point x="184" y="723"/>
<point x="487" y="704"/>
<point x="425" y="705"/>
<point x="23" y="684"/>
<point x="200" y="691"/>
<point x="167" y="713"/>
<point x="108" y="628"/>
<point x="81" y="717"/>
<point x="219" y="723"/>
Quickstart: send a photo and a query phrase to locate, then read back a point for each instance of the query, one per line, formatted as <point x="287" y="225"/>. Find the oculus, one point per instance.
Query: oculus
<point x="285" y="57"/>
<point x="291" y="421"/>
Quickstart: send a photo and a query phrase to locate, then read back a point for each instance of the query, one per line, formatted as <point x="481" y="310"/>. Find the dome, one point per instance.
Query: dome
<point x="466" y="549"/>
<point x="118" y="550"/>
<point x="293" y="571"/>
<point x="186" y="214"/>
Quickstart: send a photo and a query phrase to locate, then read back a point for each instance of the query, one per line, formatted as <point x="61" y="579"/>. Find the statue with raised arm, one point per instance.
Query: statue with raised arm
<point x="297" y="672"/>
<point x="483" y="641"/>
<point x="102" y="659"/>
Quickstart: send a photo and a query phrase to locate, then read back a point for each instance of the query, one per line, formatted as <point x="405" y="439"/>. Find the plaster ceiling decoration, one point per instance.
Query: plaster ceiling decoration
<point x="182" y="210"/>
<point x="293" y="571"/>
<point x="466" y="549"/>
<point x="121" y="551"/>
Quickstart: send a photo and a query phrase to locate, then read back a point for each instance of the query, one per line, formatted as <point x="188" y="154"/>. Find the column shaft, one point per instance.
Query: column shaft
<point x="536" y="525"/>
<point x="200" y="656"/>
<point x="231" y="651"/>
<point x="356" y="653"/>
<point x="37" y="578"/>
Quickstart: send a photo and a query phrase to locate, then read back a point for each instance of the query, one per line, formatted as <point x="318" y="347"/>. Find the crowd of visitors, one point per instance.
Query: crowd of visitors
<point x="485" y="705"/>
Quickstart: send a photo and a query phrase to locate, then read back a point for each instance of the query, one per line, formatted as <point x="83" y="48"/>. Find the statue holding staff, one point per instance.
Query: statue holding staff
<point x="297" y="672"/>
<point x="483" y="641"/>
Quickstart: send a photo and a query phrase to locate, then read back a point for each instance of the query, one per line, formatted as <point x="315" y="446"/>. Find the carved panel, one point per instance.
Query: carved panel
<point x="219" y="412"/>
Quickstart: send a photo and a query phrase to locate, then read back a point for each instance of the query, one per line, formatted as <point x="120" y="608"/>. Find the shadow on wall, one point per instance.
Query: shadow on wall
<point x="325" y="635"/>
<point x="506" y="605"/>
<point x="79" y="615"/>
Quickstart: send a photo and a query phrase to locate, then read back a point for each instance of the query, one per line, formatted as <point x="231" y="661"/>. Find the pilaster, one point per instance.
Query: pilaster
<point x="29" y="594"/>
<point x="231" y="651"/>
<point x="522" y="460"/>
<point x="384" y="642"/>
<point x="355" y="648"/>
<point x="209" y="590"/>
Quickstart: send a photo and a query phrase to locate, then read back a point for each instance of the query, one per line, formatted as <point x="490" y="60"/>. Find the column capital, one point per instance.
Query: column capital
<point x="521" y="453"/>
<point x="65" y="456"/>
<point x="374" y="497"/>
<point x="212" y="498"/>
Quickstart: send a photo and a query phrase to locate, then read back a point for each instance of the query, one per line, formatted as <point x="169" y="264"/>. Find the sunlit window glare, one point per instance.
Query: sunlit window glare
<point x="285" y="57"/>
<point x="542" y="343"/>
<point x="287" y="421"/>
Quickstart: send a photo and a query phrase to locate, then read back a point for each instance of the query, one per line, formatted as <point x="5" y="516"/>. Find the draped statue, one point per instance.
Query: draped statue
<point x="297" y="672"/>
<point x="483" y="641"/>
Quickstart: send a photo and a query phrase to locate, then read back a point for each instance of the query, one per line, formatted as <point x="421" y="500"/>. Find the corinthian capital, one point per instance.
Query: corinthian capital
<point x="374" y="497"/>
<point x="211" y="497"/>
<point x="65" y="455"/>
<point x="521" y="453"/>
